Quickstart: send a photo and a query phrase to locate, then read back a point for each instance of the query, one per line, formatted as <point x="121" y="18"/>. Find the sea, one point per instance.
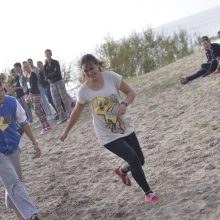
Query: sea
<point x="200" y="24"/>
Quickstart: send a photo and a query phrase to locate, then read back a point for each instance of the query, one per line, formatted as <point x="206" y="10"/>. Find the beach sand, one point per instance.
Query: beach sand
<point x="178" y="128"/>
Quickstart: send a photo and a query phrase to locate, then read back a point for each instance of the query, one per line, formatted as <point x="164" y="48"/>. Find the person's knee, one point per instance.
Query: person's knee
<point x="142" y="161"/>
<point x="133" y="158"/>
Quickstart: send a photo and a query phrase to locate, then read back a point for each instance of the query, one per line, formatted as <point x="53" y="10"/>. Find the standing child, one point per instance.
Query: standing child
<point x="111" y="121"/>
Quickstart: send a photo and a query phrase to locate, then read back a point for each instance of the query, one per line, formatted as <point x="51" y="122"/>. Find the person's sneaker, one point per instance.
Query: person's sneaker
<point x="183" y="80"/>
<point x="45" y="130"/>
<point x="49" y="128"/>
<point x="61" y="121"/>
<point x="124" y="177"/>
<point x="151" y="197"/>
<point x="34" y="217"/>
<point x="56" y="118"/>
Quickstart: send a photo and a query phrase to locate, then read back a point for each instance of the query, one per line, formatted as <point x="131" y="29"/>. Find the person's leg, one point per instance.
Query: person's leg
<point x="122" y="149"/>
<point x="64" y="97"/>
<point x="17" y="197"/>
<point x="199" y="73"/>
<point x="44" y="102"/>
<point x="56" y="98"/>
<point x="40" y="112"/>
<point x="211" y="68"/>
<point x="26" y="108"/>
<point x="49" y="97"/>
<point x="15" y="161"/>
<point x="134" y="143"/>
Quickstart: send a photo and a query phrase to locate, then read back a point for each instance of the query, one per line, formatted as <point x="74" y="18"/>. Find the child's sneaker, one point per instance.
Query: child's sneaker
<point x="151" y="197"/>
<point x="124" y="177"/>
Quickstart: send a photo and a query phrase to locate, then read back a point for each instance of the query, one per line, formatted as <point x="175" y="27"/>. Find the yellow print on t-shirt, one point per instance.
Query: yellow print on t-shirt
<point x="4" y="122"/>
<point x="107" y="107"/>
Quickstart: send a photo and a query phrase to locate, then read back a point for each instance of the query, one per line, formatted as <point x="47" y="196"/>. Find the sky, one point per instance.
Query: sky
<point x="71" y="28"/>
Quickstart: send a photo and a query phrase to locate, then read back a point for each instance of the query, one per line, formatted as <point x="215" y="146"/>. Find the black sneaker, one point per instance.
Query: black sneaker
<point x="56" y="118"/>
<point x="34" y="217"/>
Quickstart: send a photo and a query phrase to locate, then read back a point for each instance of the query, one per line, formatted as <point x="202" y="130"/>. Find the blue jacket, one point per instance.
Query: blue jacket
<point x="9" y="137"/>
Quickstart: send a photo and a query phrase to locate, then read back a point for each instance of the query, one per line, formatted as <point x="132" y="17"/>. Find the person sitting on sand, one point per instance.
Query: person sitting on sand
<point x="212" y="54"/>
<point x="16" y="195"/>
<point x="111" y="121"/>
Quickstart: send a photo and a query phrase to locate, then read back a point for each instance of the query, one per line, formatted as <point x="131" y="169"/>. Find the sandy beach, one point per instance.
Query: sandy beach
<point x="178" y="128"/>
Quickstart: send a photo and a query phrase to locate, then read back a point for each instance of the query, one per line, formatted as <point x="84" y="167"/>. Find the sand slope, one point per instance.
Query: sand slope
<point x="178" y="128"/>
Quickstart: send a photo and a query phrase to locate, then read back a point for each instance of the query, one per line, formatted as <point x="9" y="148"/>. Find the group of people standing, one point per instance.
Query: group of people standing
<point x="100" y="92"/>
<point x="41" y="86"/>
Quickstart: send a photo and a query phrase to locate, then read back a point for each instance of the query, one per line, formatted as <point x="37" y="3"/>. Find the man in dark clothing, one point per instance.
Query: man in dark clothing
<point x="212" y="54"/>
<point x="19" y="91"/>
<point x="58" y="89"/>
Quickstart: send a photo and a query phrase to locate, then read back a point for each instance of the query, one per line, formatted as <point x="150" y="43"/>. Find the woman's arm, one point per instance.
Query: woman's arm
<point x="73" y="119"/>
<point x="127" y="90"/>
<point x="130" y="95"/>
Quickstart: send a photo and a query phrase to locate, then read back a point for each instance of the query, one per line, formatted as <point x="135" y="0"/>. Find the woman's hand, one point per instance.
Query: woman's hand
<point x="121" y="109"/>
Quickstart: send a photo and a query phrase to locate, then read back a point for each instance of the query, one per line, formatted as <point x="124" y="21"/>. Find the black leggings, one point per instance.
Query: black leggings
<point x="128" y="148"/>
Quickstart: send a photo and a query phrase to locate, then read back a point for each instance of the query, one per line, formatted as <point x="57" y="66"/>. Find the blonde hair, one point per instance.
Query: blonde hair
<point x="26" y="67"/>
<point x="3" y="77"/>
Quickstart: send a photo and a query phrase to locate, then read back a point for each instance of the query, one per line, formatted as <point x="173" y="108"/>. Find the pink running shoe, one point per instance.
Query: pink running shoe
<point x="124" y="177"/>
<point x="44" y="131"/>
<point x="49" y="128"/>
<point x="151" y="197"/>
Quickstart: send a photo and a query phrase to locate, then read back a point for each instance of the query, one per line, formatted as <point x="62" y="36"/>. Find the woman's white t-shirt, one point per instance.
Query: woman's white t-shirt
<point x="103" y="105"/>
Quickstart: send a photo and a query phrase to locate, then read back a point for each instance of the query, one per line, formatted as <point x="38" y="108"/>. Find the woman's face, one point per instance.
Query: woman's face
<point x="91" y="71"/>
<point x="27" y="68"/>
<point x="40" y="65"/>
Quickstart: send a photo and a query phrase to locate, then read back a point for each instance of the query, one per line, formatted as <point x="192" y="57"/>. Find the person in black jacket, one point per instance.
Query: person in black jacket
<point x="212" y="54"/>
<point x="34" y="95"/>
<point x="57" y="85"/>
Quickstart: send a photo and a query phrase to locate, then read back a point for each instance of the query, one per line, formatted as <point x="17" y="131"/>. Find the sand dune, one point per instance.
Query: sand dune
<point x="178" y="128"/>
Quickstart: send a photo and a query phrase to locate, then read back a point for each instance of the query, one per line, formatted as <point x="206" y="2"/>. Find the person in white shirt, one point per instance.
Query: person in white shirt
<point x="112" y="123"/>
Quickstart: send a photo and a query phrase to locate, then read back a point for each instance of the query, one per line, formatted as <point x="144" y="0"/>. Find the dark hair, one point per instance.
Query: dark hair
<point x="205" y="38"/>
<point x="12" y="70"/>
<point x="17" y="65"/>
<point x="47" y="50"/>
